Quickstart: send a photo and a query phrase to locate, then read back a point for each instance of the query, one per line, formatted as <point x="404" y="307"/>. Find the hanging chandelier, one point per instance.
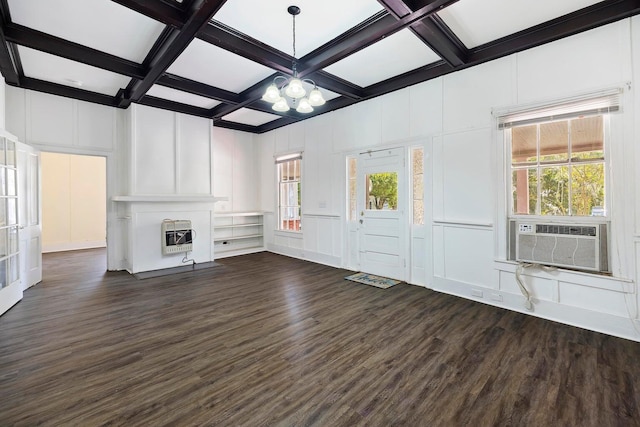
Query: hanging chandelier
<point x="292" y="87"/>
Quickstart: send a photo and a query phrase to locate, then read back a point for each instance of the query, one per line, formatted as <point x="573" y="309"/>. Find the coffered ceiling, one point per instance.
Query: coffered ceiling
<point x="214" y="58"/>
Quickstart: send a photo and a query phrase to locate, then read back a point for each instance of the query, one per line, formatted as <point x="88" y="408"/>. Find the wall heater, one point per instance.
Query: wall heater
<point x="177" y="236"/>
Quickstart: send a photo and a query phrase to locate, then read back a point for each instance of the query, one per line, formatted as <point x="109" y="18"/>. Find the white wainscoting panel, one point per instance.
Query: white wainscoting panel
<point x="469" y="255"/>
<point x="395" y="108"/>
<point x="16" y="114"/>
<point x="50" y="119"/>
<point x="439" y="266"/>
<point x="437" y="184"/>
<point x="469" y="95"/>
<point x="154" y="151"/>
<point x="602" y="300"/>
<point x="223" y="151"/>
<point x="419" y="255"/>
<point x="194" y="155"/>
<point x="426" y="108"/>
<point x="265" y="146"/>
<point x="467" y="190"/>
<point x="322" y="237"/>
<point x="587" y="61"/>
<point x="245" y="187"/>
<point x="96" y="126"/>
<point x="540" y="288"/>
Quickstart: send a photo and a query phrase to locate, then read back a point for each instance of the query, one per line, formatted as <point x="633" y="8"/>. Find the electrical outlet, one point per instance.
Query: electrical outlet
<point x="496" y="297"/>
<point x="476" y="293"/>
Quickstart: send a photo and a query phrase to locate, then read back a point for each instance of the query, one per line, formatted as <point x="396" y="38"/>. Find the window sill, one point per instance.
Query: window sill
<point x="562" y="219"/>
<point x="597" y="280"/>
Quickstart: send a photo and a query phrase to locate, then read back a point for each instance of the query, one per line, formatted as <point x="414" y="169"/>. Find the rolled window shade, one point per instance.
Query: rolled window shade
<point x="587" y="105"/>
<point x="288" y="157"/>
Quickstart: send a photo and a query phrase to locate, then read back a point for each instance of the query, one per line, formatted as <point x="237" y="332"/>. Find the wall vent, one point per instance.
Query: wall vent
<point x="576" y="246"/>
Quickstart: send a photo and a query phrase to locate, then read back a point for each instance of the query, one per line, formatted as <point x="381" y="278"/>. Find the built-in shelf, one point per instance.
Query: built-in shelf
<point x="248" y="236"/>
<point x="237" y="233"/>
<point x="253" y="224"/>
<point x="152" y="198"/>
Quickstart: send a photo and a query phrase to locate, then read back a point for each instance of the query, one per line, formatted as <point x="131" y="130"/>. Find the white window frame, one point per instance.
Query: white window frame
<point x="280" y="159"/>
<point x="602" y="102"/>
<point x="538" y="166"/>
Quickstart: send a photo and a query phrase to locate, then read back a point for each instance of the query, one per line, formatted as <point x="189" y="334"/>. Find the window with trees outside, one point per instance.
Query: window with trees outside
<point x="558" y="167"/>
<point x="382" y="191"/>
<point x="558" y="155"/>
<point x="289" y="192"/>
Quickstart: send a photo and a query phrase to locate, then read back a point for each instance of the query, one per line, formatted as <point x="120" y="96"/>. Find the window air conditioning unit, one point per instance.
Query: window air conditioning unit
<point x="576" y="246"/>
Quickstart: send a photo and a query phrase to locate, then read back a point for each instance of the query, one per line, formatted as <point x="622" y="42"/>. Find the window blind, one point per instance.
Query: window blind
<point x="288" y="157"/>
<point x="587" y="105"/>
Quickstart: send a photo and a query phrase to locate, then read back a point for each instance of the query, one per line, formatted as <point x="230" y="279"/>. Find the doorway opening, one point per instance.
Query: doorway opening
<point x="74" y="199"/>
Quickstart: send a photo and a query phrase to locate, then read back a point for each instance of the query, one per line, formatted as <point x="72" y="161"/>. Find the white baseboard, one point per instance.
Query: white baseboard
<point x="73" y="246"/>
<point x="605" y="323"/>
<point x="328" y="260"/>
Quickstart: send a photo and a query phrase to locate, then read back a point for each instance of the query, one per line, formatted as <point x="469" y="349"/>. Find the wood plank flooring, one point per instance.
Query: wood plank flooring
<point x="268" y="340"/>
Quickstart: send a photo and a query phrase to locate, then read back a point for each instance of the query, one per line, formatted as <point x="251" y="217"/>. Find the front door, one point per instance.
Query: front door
<point x="381" y="209"/>
<point x="29" y="214"/>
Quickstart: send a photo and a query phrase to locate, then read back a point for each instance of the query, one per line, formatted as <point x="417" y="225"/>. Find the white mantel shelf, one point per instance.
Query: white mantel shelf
<point x="169" y="199"/>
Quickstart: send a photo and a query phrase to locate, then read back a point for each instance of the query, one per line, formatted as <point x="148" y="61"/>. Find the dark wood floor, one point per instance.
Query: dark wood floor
<point x="268" y="340"/>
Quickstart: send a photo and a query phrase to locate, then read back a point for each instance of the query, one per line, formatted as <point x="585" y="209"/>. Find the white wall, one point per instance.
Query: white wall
<point x="73" y="202"/>
<point x="55" y="124"/>
<point x="170" y="156"/>
<point x="150" y="153"/>
<point x="235" y="171"/>
<point x="157" y="153"/>
<point x="451" y="117"/>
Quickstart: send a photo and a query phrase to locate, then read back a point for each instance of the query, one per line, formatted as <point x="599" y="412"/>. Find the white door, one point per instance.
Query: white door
<point x="29" y="214"/>
<point x="10" y="283"/>
<point x="382" y="203"/>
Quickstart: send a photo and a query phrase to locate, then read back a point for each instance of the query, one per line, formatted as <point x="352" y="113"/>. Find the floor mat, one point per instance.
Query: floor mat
<point x="373" y="280"/>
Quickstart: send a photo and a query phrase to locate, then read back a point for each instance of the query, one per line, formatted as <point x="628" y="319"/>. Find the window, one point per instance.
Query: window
<point x="417" y="172"/>
<point x="382" y="191"/>
<point x="558" y="168"/>
<point x="289" y="192"/>
<point x="352" y="191"/>
<point x="557" y="156"/>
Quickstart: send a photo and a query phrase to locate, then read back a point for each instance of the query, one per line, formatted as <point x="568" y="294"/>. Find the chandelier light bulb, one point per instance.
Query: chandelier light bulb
<point x="294" y="89"/>
<point x="315" y="98"/>
<point x="304" y="106"/>
<point x="281" y="105"/>
<point x="272" y="94"/>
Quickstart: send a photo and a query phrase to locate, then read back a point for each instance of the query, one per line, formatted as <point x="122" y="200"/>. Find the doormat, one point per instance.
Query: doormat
<point x="373" y="280"/>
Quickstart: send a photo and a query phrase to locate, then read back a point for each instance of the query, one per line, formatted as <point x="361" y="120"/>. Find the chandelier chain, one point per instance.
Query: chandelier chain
<point x="291" y="90"/>
<point x="294" y="45"/>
